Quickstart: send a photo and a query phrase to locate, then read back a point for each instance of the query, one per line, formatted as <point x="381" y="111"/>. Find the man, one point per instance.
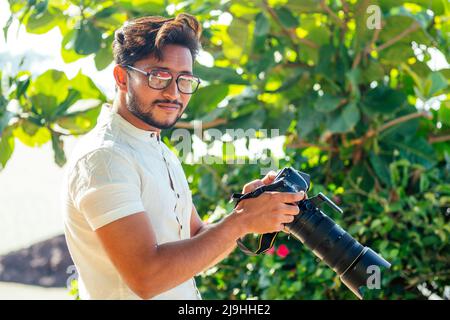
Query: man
<point x="130" y="224"/>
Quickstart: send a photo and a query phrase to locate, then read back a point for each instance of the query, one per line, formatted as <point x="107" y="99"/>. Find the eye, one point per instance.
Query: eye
<point x="161" y="74"/>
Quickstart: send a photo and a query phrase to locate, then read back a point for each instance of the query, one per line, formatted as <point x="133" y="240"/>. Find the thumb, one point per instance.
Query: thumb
<point x="270" y="176"/>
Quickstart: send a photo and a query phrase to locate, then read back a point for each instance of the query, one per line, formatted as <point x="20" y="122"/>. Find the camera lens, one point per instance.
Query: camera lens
<point x="353" y="262"/>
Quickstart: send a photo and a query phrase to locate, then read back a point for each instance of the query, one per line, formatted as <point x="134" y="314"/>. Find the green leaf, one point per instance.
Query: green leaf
<point x="87" y="38"/>
<point x="68" y="47"/>
<point x="104" y="56"/>
<point x="6" y="27"/>
<point x="416" y="150"/>
<point x="31" y="134"/>
<point x="381" y="168"/>
<point x="72" y="97"/>
<point x="207" y="185"/>
<point x="287" y="19"/>
<point x="237" y="31"/>
<point x="243" y="9"/>
<point x="218" y="75"/>
<point x="327" y="103"/>
<point x="6" y="147"/>
<point x="444" y="112"/>
<point x="304" y="6"/>
<point x="438" y="83"/>
<point x="206" y="99"/>
<point x="40" y="23"/>
<point x="79" y="122"/>
<point x="344" y="120"/>
<point x="383" y="99"/>
<point x="58" y="149"/>
<point x="308" y="120"/>
<point x="254" y="120"/>
<point x="43" y="95"/>
<point x="5" y="117"/>
<point x="262" y="25"/>
<point x="86" y="87"/>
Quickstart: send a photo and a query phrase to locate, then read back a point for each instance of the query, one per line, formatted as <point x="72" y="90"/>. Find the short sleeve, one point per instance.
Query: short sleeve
<point x="105" y="186"/>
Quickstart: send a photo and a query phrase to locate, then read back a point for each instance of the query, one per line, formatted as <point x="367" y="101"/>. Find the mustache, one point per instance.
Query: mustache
<point x="168" y="101"/>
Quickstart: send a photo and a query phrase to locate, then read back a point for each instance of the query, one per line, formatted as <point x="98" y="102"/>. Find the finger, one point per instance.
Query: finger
<point x="252" y="185"/>
<point x="287" y="209"/>
<point x="289" y="197"/>
<point x="268" y="179"/>
<point x="280" y="227"/>
<point x="287" y="218"/>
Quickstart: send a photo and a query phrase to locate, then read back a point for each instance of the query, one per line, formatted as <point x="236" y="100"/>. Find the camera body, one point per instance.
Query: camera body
<point x="353" y="262"/>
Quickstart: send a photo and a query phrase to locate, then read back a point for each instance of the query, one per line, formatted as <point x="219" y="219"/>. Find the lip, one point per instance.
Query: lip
<point x="168" y="106"/>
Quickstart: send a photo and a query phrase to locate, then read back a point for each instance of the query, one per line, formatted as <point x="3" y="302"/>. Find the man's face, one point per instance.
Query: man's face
<point x="159" y="108"/>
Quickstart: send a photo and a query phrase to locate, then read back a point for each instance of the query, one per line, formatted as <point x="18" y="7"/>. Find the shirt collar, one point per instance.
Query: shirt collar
<point x="108" y="111"/>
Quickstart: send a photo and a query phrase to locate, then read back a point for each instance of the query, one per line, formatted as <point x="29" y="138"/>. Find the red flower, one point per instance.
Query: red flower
<point x="282" y="251"/>
<point x="271" y="251"/>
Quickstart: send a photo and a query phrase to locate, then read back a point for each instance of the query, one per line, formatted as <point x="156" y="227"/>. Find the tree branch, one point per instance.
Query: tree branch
<point x="366" y="49"/>
<point x="330" y="12"/>
<point x="387" y="125"/>
<point x="413" y="27"/>
<point x="437" y="139"/>
<point x="299" y="144"/>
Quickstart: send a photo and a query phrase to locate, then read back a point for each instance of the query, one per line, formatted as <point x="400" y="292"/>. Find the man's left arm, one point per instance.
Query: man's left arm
<point x="198" y="226"/>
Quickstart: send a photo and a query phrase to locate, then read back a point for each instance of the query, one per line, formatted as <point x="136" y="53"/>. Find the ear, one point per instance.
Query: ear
<point x="121" y="77"/>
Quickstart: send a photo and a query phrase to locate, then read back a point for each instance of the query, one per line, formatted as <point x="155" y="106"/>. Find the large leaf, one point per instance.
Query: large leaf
<point x="219" y="75"/>
<point x="79" y="122"/>
<point x="287" y="19"/>
<point x="42" y="22"/>
<point x="6" y="147"/>
<point x="31" y="134"/>
<point x="383" y="99"/>
<point x="87" y="38"/>
<point x="327" y="103"/>
<point x="48" y="91"/>
<point x="68" y="52"/>
<point x="381" y="168"/>
<point x="104" y="56"/>
<point x="416" y="150"/>
<point x="444" y="112"/>
<point x="438" y="83"/>
<point x="58" y="149"/>
<point x="86" y="87"/>
<point x="206" y="99"/>
<point x="344" y="120"/>
<point x="262" y="26"/>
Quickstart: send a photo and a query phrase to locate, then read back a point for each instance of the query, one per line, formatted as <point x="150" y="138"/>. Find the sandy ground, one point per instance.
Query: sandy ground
<point x="16" y="291"/>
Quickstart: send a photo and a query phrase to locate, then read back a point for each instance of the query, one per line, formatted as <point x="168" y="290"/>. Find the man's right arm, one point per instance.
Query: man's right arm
<point x="150" y="269"/>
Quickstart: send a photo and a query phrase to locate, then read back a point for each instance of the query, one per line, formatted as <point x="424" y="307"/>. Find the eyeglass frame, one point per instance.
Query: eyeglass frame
<point x="179" y="75"/>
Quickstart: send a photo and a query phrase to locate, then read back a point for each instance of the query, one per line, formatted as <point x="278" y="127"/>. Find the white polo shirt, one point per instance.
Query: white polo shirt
<point x="117" y="170"/>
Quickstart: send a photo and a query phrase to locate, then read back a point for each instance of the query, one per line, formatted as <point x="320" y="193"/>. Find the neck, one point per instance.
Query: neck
<point x="120" y="105"/>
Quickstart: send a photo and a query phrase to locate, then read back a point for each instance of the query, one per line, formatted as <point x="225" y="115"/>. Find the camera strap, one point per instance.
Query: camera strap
<point x="266" y="240"/>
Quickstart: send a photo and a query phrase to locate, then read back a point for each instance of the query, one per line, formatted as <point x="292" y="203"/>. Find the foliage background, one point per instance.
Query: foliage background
<point x="361" y="110"/>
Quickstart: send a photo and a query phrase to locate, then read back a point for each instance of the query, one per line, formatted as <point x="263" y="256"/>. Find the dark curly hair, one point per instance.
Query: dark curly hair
<point x="141" y="37"/>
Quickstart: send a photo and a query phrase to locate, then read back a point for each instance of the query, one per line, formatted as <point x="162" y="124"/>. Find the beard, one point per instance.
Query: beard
<point x="135" y="107"/>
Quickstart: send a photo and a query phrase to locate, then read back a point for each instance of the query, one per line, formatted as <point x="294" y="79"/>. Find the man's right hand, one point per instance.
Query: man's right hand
<point x="268" y="212"/>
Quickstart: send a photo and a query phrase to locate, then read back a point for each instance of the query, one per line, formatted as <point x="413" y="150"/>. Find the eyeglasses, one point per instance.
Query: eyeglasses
<point x="160" y="79"/>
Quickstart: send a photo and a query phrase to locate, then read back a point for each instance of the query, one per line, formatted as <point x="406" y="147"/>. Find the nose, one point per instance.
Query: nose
<point x="171" y="92"/>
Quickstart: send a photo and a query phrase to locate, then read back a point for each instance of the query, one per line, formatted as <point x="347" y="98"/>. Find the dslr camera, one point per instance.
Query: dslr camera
<point x="353" y="262"/>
